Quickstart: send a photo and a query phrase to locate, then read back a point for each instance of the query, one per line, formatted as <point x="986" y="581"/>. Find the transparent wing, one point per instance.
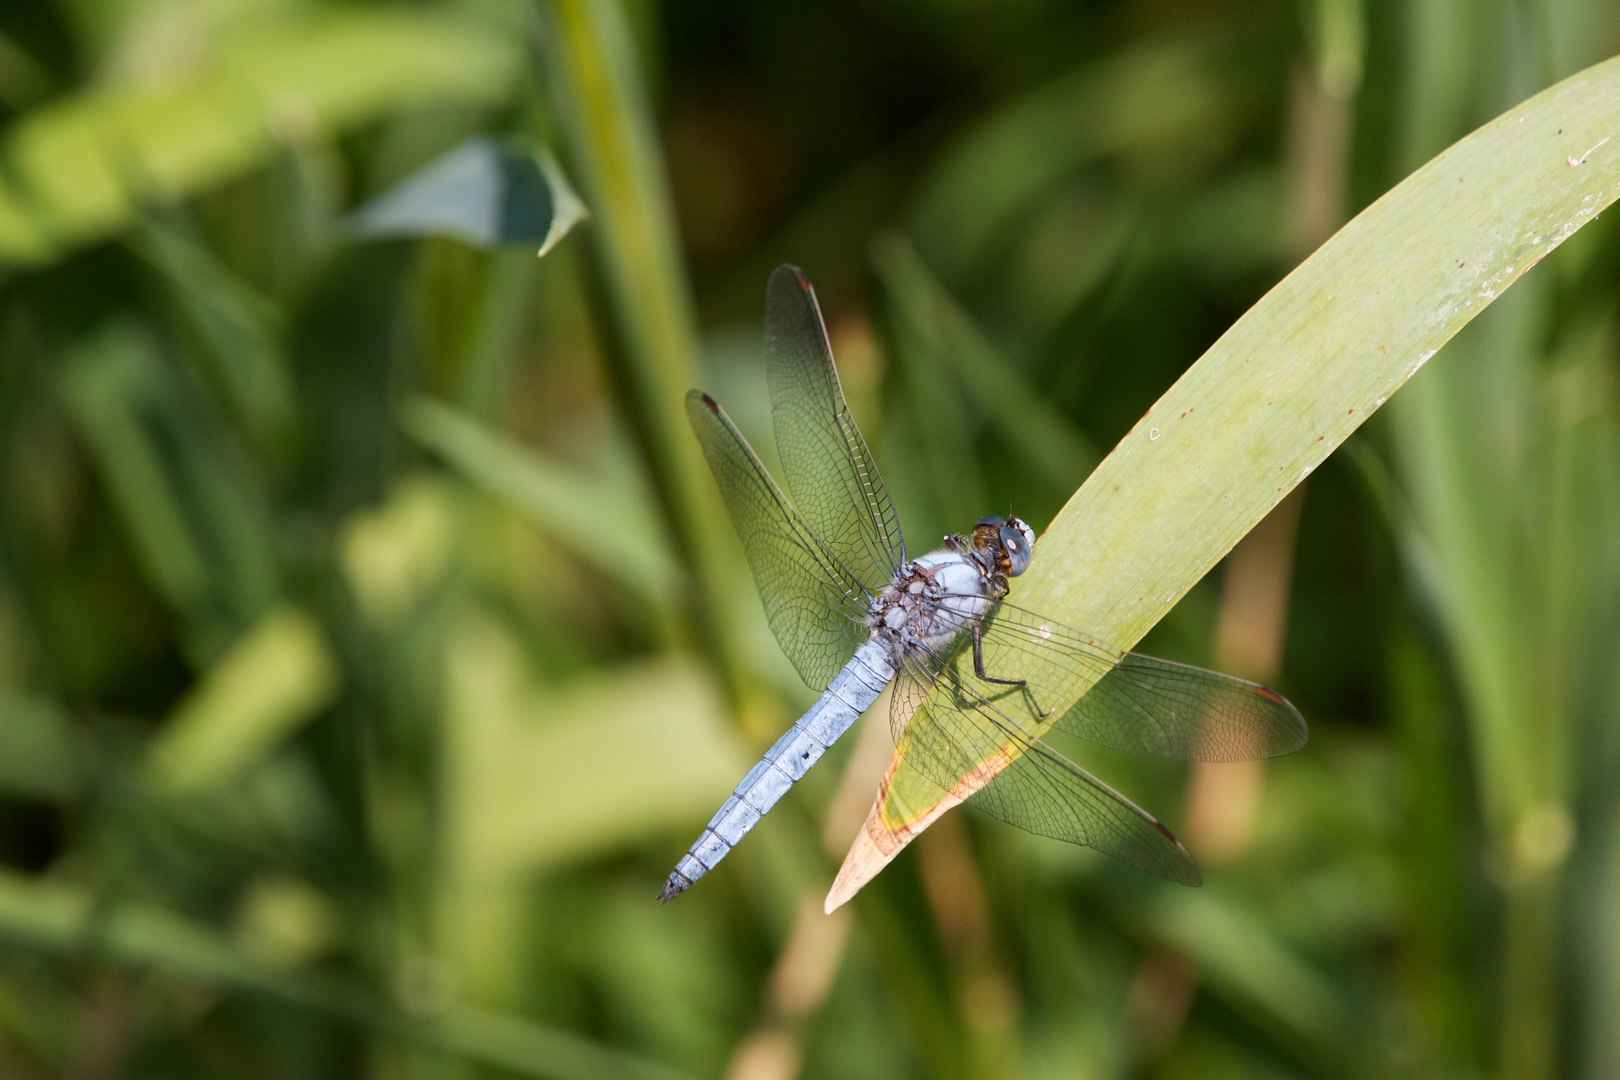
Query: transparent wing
<point x="957" y="735"/>
<point x="1138" y="704"/>
<point x="829" y="470"/>
<point x="814" y="603"/>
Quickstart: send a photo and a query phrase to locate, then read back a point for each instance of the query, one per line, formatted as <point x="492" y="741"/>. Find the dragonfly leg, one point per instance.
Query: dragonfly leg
<point x="978" y="669"/>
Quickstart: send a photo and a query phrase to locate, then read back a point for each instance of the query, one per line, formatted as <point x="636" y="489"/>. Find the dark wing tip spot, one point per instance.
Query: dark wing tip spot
<point x="713" y="406"/>
<point x="1299" y="736"/>
<point x="804" y="282"/>
<point x="1188" y="872"/>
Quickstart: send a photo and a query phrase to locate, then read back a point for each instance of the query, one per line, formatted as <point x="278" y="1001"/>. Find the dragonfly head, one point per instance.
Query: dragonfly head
<point x="1017" y="545"/>
<point x="1015" y="540"/>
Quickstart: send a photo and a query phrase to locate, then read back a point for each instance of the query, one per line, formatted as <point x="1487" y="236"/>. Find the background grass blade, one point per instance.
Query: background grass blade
<point x="1005" y="159"/>
<point x="234" y="328"/>
<point x="482" y="193"/>
<point x="1045" y="438"/>
<point x="624" y="543"/>
<point x="643" y="303"/>
<point x="278" y="676"/>
<point x="188" y="491"/>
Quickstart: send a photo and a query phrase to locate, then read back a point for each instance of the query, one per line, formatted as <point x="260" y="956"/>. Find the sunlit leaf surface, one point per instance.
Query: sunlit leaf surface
<point x="1297" y="374"/>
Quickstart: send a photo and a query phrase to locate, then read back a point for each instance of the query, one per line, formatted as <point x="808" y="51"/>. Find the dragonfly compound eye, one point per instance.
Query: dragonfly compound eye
<point x="1016" y="544"/>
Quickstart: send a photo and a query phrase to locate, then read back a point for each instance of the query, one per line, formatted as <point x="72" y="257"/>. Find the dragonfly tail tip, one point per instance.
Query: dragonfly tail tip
<point x="676" y="885"/>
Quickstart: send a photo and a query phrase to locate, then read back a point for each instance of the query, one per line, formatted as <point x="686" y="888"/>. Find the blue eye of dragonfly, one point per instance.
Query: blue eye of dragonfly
<point x="1012" y="542"/>
<point x="992" y="519"/>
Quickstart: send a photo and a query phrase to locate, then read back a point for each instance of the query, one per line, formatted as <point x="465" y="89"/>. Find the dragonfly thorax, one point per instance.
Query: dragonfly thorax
<point x="934" y="598"/>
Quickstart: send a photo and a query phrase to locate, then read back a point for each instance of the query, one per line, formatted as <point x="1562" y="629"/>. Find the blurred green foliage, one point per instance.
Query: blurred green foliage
<point x="371" y="642"/>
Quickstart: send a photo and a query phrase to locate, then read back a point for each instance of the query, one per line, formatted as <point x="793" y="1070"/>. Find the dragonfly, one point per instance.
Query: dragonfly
<point x="976" y="678"/>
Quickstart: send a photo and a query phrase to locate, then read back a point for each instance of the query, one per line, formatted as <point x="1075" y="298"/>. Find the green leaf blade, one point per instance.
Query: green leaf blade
<point x="1294" y="377"/>
<point x="1321" y="352"/>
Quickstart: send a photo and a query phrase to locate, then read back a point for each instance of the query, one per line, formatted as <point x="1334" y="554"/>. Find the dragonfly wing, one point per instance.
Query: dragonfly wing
<point x="1147" y="705"/>
<point x="829" y="470"/>
<point x="1136" y="703"/>
<point x="964" y="742"/>
<point x="908" y="698"/>
<point x="816" y="606"/>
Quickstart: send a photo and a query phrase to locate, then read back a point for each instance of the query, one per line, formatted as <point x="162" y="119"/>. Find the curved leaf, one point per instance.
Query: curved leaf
<point x="1293" y="377"/>
<point x="482" y="192"/>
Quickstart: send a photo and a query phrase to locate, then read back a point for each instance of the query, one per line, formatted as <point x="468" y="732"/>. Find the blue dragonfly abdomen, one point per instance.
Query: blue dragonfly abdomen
<point x="850" y="693"/>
